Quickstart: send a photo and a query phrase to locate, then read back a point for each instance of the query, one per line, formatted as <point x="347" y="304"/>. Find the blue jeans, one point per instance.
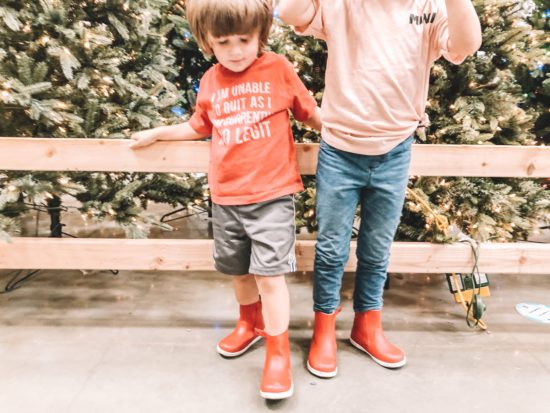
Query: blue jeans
<point x="345" y="180"/>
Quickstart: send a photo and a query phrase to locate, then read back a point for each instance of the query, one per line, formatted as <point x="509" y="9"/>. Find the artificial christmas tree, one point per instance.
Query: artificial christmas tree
<point x="98" y="69"/>
<point x="106" y="68"/>
<point x="481" y="102"/>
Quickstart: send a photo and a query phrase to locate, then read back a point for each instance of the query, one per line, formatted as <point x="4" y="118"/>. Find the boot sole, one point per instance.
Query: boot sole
<point x="382" y="363"/>
<point x="278" y="396"/>
<point x="322" y="374"/>
<point x="238" y="353"/>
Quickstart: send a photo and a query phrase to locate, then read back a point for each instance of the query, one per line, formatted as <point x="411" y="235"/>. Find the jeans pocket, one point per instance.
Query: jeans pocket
<point x="401" y="148"/>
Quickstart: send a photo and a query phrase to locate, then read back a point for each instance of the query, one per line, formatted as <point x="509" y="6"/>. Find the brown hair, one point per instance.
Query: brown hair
<point x="219" y="18"/>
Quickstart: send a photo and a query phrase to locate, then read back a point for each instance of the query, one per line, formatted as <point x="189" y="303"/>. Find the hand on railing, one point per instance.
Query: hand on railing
<point x="179" y="132"/>
<point x="143" y="138"/>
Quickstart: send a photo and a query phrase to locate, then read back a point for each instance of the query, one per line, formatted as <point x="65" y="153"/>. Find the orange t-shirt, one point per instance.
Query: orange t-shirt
<point x="252" y="154"/>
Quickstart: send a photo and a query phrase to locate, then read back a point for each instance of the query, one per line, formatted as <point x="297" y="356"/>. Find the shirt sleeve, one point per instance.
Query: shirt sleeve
<point x="200" y="121"/>
<point x="303" y="105"/>
<point x="440" y="37"/>
<point x="316" y="27"/>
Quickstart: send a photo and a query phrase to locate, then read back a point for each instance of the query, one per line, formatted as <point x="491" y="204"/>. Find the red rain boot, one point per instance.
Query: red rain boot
<point x="244" y="334"/>
<point x="322" y="353"/>
<point x="367" y="335"/>
<point x="277" y="376"/>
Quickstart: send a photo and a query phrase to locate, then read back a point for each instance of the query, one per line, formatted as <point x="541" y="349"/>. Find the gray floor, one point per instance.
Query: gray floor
<point x="145" y="342"/>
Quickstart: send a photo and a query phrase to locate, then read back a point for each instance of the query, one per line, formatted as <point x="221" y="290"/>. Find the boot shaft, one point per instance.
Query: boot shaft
<point x="325" y="323"/>
<point x="251" y="315"/>
<point x="367" y="321"/>
<point x="278" y="346"/>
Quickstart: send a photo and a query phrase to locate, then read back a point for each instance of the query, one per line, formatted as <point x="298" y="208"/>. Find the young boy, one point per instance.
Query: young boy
<point x="379" y="58"/>
<point x="243" y="102"/>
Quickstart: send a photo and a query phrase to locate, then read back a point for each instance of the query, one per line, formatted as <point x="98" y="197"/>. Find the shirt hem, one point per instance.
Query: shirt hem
<point x="255" y="198"/>
<point x="366" y="145"/>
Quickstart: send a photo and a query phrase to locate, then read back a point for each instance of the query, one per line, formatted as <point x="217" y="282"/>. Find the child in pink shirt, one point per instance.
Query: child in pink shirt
<point x="379" y="57"/>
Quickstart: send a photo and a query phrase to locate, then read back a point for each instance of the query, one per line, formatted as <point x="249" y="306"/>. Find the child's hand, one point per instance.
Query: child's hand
<point x="143" y="138"/>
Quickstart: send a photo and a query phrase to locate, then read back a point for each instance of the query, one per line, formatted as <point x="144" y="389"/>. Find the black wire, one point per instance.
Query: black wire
<point x="470" y="307"/>
<point x="14" y="283"/>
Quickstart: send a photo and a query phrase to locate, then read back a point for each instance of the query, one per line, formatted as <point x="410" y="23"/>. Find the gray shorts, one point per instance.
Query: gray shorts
<point x="255" y="239"/>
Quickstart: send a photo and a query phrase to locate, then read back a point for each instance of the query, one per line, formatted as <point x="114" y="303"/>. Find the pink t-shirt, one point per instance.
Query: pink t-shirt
<point x="379" y="57"/>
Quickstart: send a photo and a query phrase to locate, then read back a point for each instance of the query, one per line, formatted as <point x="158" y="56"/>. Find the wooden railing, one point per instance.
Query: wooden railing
<point x="196" y="255"/>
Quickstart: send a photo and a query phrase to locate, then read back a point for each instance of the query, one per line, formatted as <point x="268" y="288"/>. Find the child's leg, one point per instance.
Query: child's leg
<point x="275" y="303"/>
<point x="246" y="289"/>
<point x="277" y="375"/>
<point x="270" y="228"/>
<point x="232" y="256"/>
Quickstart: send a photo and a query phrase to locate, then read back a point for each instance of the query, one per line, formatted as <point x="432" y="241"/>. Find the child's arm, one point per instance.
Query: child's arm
<point x="464" y="28"/>
<point x="315" y="121"/>
<point x="179" y="132"/>
<point x="298" y="13"/>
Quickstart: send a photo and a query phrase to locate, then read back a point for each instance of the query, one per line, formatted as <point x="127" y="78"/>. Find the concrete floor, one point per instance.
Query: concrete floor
<point x="145" y="342"/>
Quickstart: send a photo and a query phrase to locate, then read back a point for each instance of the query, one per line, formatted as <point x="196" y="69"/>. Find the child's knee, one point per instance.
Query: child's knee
<point x="271" y="284"/>
<point x="244" y="279"/>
